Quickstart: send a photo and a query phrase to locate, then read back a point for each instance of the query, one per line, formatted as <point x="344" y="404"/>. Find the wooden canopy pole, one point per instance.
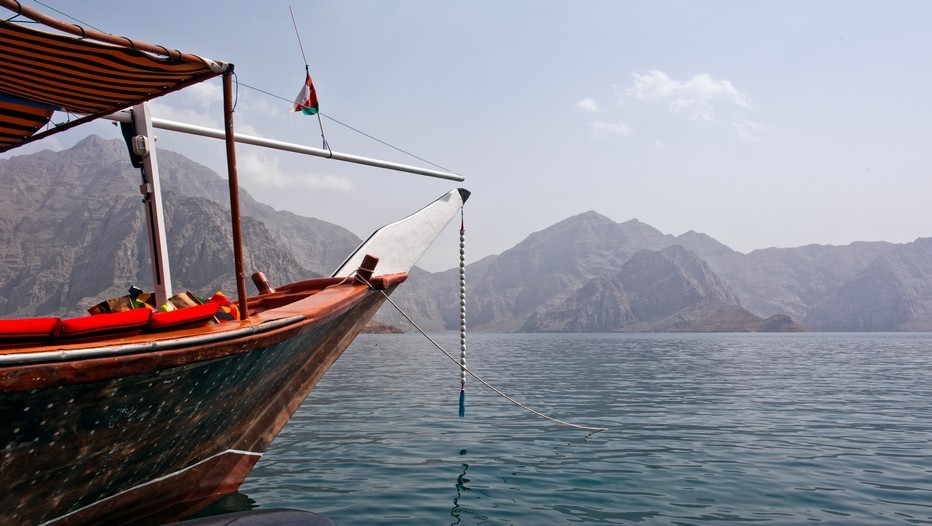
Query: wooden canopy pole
<point x="234" y="191"/>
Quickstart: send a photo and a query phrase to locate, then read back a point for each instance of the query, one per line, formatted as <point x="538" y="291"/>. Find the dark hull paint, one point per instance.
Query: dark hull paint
<point x="189" y="428"/>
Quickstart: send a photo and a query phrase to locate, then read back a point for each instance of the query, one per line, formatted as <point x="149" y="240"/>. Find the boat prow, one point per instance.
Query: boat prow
<point x="116" y="428"/>
<point x="401" y="244"/>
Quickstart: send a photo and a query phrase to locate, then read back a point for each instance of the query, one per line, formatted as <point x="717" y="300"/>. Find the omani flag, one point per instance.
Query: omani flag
<point x="306" y="101"/>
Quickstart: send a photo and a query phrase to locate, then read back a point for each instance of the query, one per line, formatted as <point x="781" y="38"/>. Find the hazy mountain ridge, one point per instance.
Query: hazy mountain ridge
<point x="667" y="290"/>
<point x="72" y="234"/>
<point x="768" y="289"/>
<point x="322" y="246"/>
<point x="898" y="287"/>
<point x="813" y="284"/>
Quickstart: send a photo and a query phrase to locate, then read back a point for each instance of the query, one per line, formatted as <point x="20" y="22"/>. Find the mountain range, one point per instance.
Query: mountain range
<point x="72" y="234"/>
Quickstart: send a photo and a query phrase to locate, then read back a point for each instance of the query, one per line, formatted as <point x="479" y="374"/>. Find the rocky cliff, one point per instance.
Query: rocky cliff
<point x="72" y="231"/>
<point x="670" y="290"/>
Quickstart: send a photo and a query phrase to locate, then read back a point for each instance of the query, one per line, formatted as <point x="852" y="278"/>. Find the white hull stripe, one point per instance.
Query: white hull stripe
<point x="153" y="481"/>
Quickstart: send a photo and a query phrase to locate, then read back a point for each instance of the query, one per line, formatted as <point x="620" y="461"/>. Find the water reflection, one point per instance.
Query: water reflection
<point x="461" y="481"/>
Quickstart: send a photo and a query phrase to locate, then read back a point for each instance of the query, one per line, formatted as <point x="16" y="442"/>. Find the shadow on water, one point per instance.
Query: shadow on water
<point x="185" y="511"/>
<point x="230" y="503"/>
<point x="237" y="508"/>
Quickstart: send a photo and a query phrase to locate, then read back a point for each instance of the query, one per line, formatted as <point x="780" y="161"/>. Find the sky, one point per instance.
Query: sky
<point x="761" y="124"/>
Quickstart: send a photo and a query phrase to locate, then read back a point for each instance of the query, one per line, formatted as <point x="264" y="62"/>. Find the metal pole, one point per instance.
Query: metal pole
<point x="144" y="147"/>
<point x="295" y="148"/>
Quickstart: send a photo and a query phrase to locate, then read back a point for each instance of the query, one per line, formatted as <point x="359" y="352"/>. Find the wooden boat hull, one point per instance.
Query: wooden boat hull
<point x="189" y="422"/>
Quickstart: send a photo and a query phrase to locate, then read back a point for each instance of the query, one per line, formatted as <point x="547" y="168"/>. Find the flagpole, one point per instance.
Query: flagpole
<point x="307" y="70"/>
<point x="298" y="35"/>
<point x="320" y="121"/>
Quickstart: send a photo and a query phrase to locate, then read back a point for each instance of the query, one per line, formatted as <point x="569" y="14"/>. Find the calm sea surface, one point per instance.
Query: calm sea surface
<point x="783" y="429"/>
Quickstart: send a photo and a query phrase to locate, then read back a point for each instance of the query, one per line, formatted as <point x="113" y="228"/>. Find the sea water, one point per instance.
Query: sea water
<point x="724" y="428"/>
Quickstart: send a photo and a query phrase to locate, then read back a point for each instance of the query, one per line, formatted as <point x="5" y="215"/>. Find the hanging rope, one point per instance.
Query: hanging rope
<point x="474" y="375"/>
<point x="462" y="314"/>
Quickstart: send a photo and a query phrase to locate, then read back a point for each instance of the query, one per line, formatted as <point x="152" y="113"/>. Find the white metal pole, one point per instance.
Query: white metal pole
<point x="292" y="147"/>
<point x="144" y="145"/>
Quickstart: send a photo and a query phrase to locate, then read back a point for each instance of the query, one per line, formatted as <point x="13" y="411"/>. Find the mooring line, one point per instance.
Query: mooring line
<point x="474" y="375"/>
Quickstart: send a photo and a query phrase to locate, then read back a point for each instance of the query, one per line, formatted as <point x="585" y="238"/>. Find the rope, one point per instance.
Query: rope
<point x="474" y="375"/>
<point x="236" y="90"/>
<point x="462" y="314"/>
<point x="19" y="7"/>
<point x="66" y="15"/>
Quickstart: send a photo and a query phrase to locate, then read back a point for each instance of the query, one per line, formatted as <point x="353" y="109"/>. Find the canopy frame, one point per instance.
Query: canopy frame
<point x="86" y="76"/>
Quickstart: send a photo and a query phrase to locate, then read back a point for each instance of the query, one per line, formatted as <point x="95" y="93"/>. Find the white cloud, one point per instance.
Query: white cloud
<point x="203" y="94"/>
<point x="274" y="108"/>
<point x="187" y="116"/>
<point x="261" y="169"/>
<point x="206" y="118"/>
<point x="588" y="105"/>
<point x="749" y="130"/>
<point x="605" y="129"/>
<point x="693" y="98"/>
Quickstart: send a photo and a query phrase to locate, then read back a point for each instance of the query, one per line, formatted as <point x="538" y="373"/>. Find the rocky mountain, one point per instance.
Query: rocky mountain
<point x="667" y="290"/>
<point x="893" y="292"/>
<point x="549" y="266"/>
<point x="72" y="233"/>
<point x="319" y="245"/>
<point x="581" y="286"/>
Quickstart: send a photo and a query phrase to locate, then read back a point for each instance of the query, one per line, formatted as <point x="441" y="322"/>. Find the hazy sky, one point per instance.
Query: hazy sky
<point x="758" y="123"/>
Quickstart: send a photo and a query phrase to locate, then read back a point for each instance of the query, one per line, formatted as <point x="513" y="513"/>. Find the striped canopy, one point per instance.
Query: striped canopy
<point x="42" y="72"/>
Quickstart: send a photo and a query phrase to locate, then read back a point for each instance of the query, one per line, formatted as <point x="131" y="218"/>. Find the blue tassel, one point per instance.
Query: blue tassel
<point x="462" y="403"/>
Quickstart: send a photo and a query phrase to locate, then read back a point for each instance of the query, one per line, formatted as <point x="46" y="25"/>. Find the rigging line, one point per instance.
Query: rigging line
<point x="474" y="375"/>
<point x="66" y="15"/>
<point x="236" y="89"/>
<point x="243" y="84"/>
<point x="376" y="139"/>
<point x="279" y="97"/>
<point x="19" y="7"/>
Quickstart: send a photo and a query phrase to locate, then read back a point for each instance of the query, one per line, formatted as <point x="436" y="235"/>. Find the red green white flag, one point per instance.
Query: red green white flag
<point x="306" y="101"/>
